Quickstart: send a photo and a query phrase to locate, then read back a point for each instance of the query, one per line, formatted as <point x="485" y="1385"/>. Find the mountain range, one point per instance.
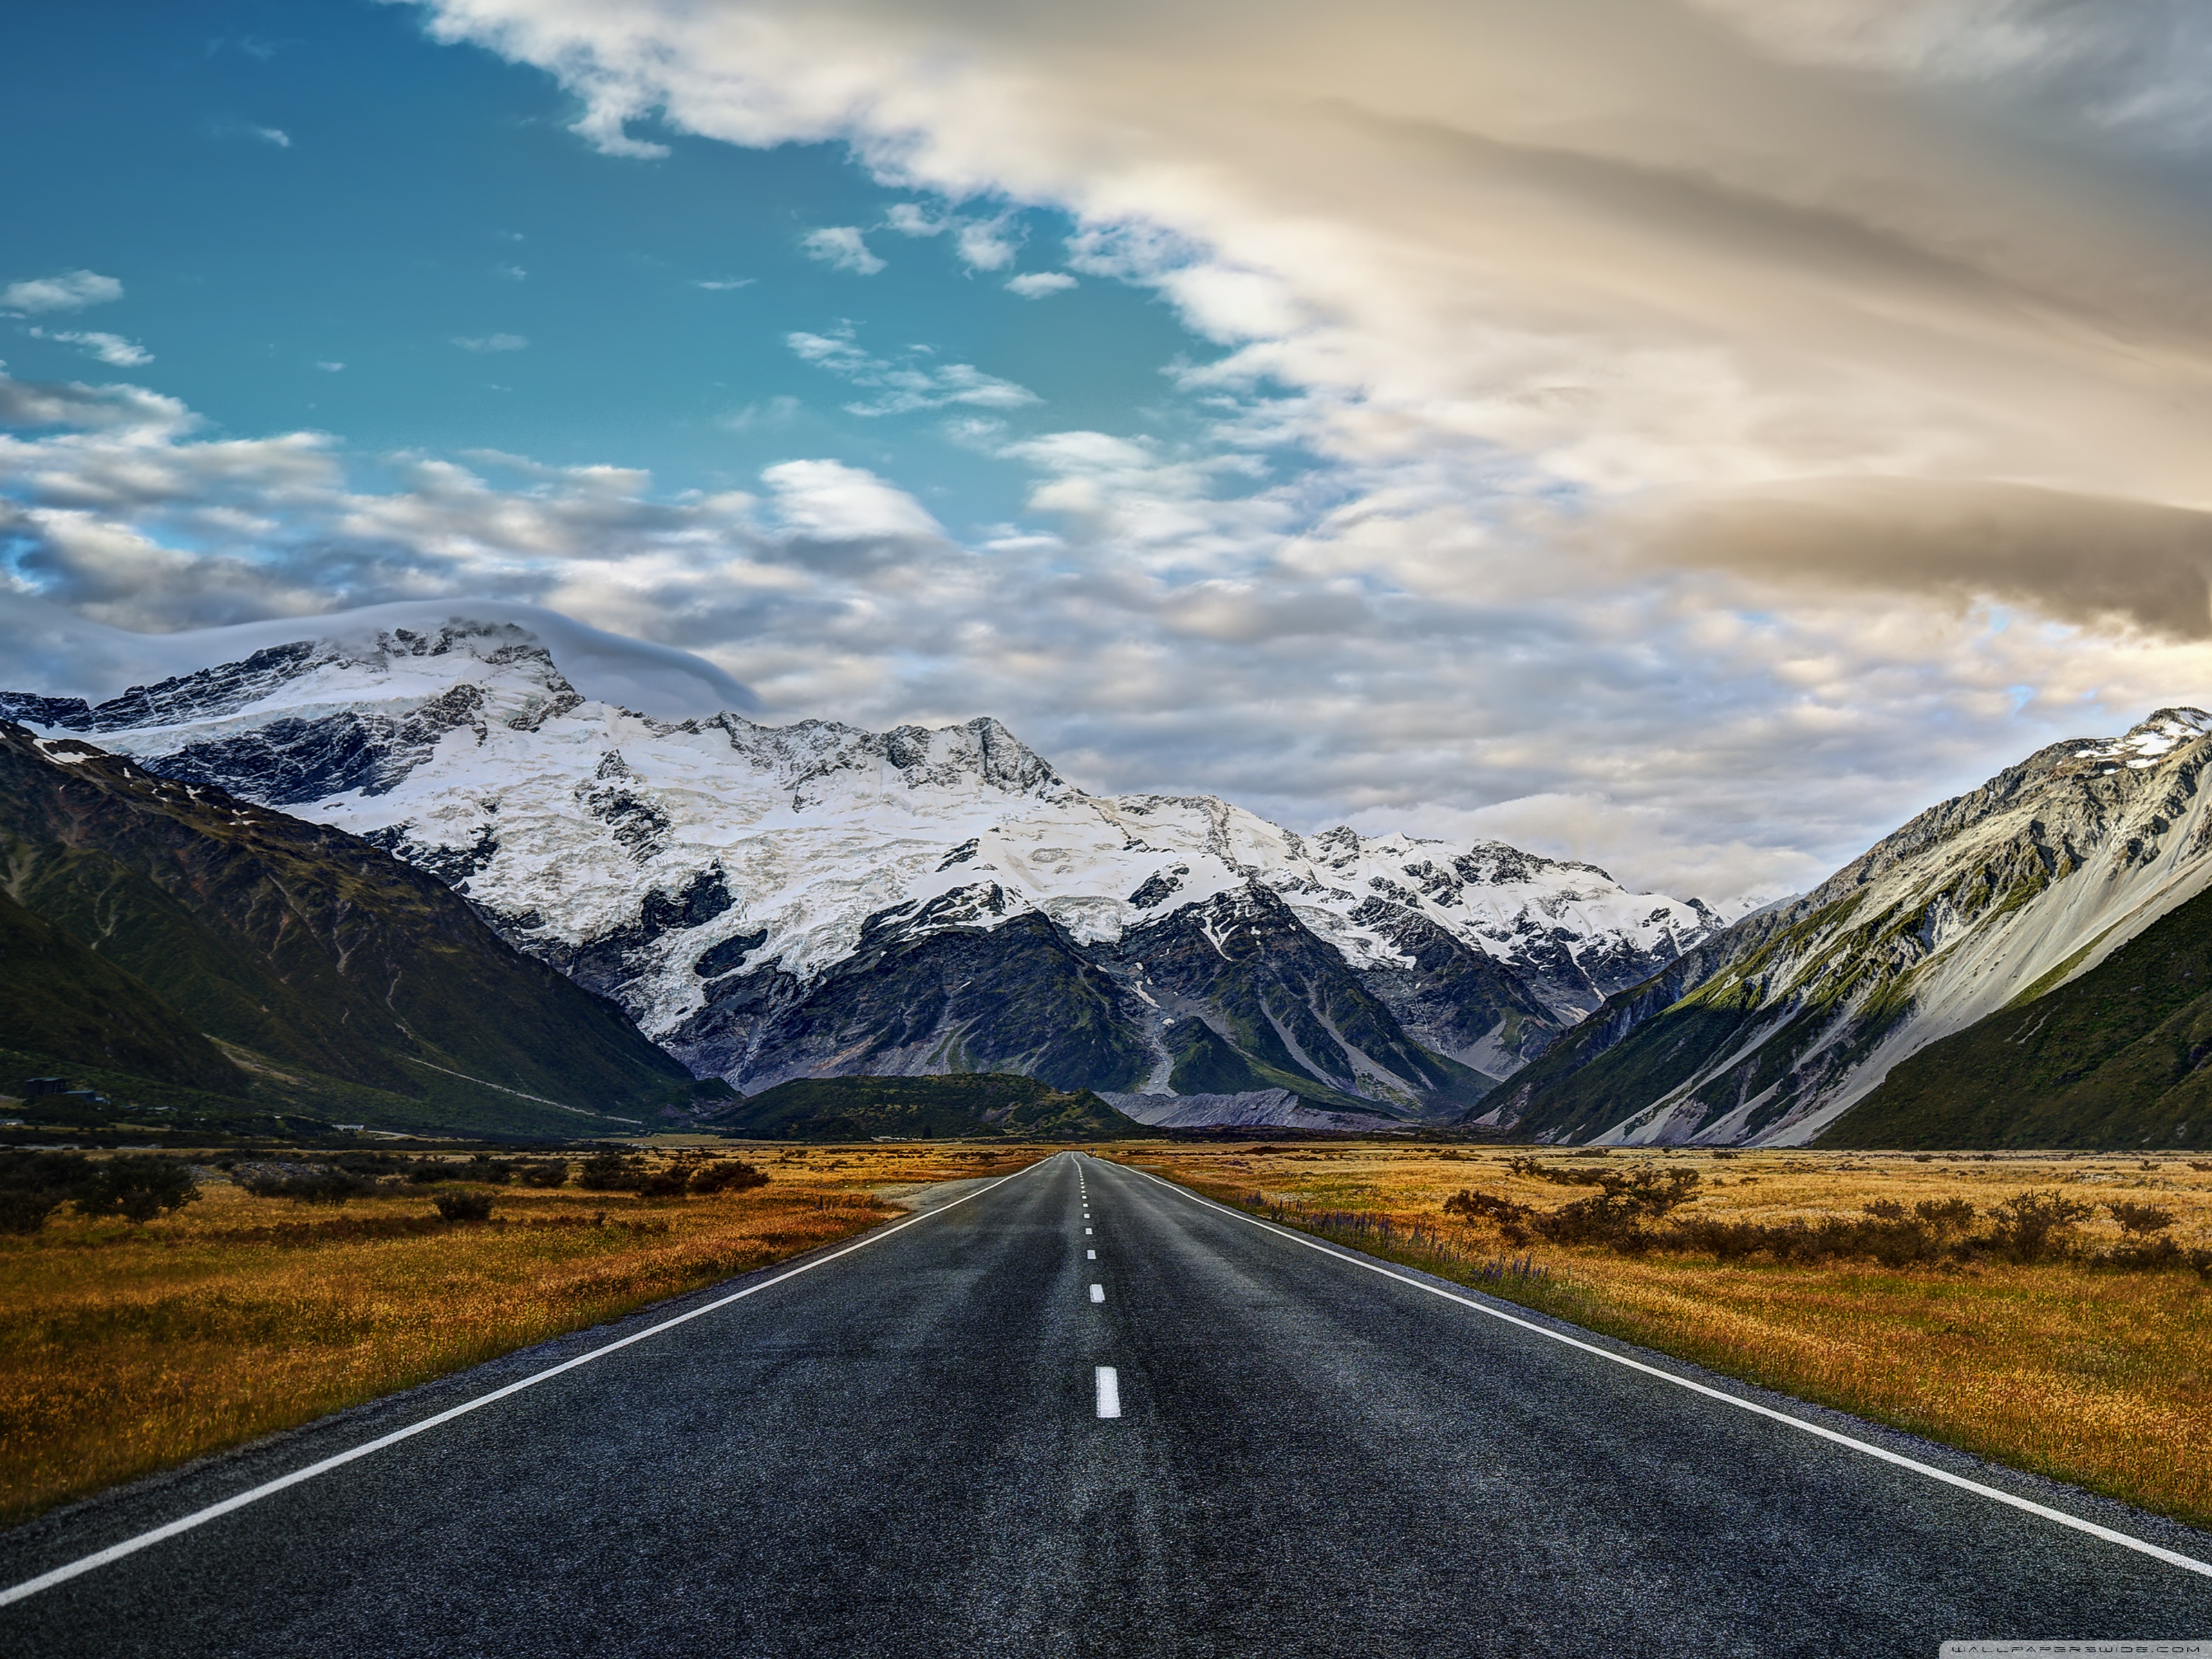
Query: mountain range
<point x="770" y="904"/>
<point x="773" y="902"/>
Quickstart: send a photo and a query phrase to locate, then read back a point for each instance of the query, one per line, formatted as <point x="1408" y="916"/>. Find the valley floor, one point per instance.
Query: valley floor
<point x="125" y="1350"/>
<point x="2097" y="1376"/>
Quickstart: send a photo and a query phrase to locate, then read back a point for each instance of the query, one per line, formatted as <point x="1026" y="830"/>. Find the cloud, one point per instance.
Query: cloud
<point x="490" y="342"/>
<point x="908" y="384"/>
<point x="828" y="501"/>
<point x="70" y="291"/>
<point x="2095" y="561"/>
<point x="726" y="284"/>
<point x="62" y="655"/>
<point x="510" y="273"/>
<point x="841" y="246"/>
<point x="331" y="367"/>
<point x="1035" y="284"/>
<point x="276" y="135"/>
<point x="108" y="348"/>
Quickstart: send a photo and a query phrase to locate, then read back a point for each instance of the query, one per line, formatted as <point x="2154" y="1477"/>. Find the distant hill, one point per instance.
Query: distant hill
<point x="924" y="1107"/>
<point x="2121" y="1057"/>
<point x="312" y="954"/>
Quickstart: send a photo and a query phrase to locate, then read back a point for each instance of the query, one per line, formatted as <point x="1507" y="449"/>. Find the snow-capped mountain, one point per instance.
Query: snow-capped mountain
<point x="1769" y="1032"/>
<point x="721" y="878"/>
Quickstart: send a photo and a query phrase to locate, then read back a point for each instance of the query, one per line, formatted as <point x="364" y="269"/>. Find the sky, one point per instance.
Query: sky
<point x="1690" y="435"/>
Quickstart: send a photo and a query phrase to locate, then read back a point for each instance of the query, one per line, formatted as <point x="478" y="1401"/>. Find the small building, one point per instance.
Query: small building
<point x="34" y="1087"/>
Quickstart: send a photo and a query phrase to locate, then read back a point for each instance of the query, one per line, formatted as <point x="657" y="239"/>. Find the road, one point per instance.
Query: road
<point x="900" y="1451"/>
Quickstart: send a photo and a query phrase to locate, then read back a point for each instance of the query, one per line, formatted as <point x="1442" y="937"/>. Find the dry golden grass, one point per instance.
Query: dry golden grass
<point x="2098" y="1377"/>
<point x="124" y="1350"/>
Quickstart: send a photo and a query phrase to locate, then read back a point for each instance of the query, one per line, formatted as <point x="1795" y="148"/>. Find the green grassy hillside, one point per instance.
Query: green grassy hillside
<point x="59" y="999"/>
<point x="2122" y="1057"/>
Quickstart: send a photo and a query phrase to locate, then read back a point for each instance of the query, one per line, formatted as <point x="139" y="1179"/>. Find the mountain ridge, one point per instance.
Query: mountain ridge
<point x="714" y="873"/>
<point x="1775" y="1028"/>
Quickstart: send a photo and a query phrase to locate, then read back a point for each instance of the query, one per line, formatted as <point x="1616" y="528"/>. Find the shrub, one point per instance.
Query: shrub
<point x="1485" y="1207"/>
<point x="428" y="1171"/>
<point x="461" y="1205"/>
<point x="316" y="1187"/>
<point x="670" y="1181"/>
<point x="2141" y="1220"/>
<point x="2032" y="1226"/>
<point x="34" y="1185"/>
<point x="549" y="1172"/>
<point x="611" y="1172"/>
<point x="728" y="1175"/>
<point x="136" y="1187"/>
<point x="494" y="1171"/>
<point x="1615" y="1216"/>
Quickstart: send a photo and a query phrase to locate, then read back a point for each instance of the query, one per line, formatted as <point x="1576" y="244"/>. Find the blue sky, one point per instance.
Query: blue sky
<point x="280" y="187"/>
<point x="1690" y="435"/>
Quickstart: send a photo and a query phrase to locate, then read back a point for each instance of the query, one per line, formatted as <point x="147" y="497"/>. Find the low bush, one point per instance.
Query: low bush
<point x="136" y="1187"/>
<point x="545" y="1172"/>
<point x="726" y="1174"/>
<point x="34" y="1185"/>
<point x="461" y="1205"/>
<point x="612" y="1172"/>
<point x="1472" y="1206"/>
<point x="2140" y="1220"/>
<point x="670" y="1181"/>
<point x="2032" y="1226"/>
<point x="314" y="1186"/>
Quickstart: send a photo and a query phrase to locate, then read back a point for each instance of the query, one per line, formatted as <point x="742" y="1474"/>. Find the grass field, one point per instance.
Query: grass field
<point x="2097" y="1376"/>
<point x="127" y="1349"/>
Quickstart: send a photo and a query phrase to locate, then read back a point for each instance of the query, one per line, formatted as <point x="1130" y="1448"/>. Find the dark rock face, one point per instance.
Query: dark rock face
<point x="1236" y="995"/>
<point x="729" y="955"/>
<point x="1159" y="888"/>
<point x="1250" y="999"/>
<point x="609" y="962"/>
<point x="919" y="998"/>
<point x="1454" y="999"/>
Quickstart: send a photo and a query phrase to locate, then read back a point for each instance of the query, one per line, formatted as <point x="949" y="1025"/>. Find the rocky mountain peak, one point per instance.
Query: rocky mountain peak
<point x="2144" y="745"/>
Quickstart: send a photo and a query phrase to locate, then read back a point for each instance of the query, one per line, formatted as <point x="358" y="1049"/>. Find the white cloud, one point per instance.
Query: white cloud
<point x="331" y="367"/>
<point x="726" y="284"/>
<point x="490" y="342"/>
<point x="829" y="501"/>
<point x="112" y="348"/>
<point x="276" y="135"/>
<point x="70" y="291"/>
<point x="908" y="384"/>
<point x="510" y="273"/>
<point x="841" y="246"/>
<point x="1035" y="284"/>
<point x="988" y="245"/>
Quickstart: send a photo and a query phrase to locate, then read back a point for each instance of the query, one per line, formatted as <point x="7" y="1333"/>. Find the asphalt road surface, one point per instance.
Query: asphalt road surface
<point x="906" y="1450"/>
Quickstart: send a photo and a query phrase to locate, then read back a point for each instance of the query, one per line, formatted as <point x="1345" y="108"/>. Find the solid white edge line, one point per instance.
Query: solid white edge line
<point x="114" y="1552"/>
<point x="1108" y="1382"/>
<point x="2126" y="1540"/>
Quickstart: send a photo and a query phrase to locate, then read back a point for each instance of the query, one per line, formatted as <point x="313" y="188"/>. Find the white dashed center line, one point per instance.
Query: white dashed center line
<point x="1097" y="1292"/>
<point x="1086" y="1232"/>
<point x="1110" y="1392"/>
<point x="1090" y="1256"/>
